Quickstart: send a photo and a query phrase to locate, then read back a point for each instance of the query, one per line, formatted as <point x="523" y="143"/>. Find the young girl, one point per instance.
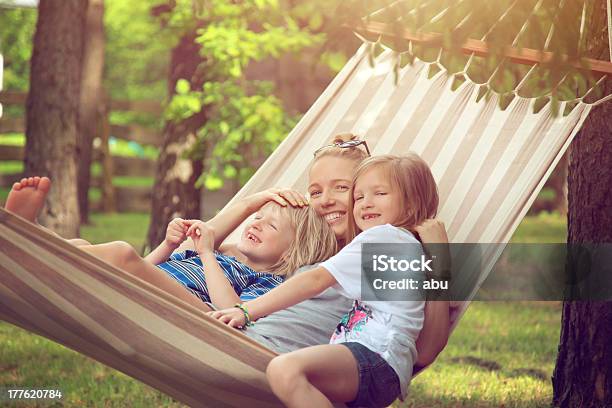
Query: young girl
<point x="369" y="361"/>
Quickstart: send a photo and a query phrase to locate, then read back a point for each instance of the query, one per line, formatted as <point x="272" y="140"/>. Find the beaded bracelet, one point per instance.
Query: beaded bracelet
<point x="247" y="317"/>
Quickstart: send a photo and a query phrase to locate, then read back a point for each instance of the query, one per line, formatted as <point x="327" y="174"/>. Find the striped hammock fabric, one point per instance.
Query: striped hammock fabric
<point x="489" y="164"/>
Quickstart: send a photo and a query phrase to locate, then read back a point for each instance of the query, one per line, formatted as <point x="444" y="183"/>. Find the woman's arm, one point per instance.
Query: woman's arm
<point x="436" y="326"/>
<point x="231" y="217"/>
<point x="300" y="287"/>
<point x="434" y="334"/>
<point x="220" y="290"/>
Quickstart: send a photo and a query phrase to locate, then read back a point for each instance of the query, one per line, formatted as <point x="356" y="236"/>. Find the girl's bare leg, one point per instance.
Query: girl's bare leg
<point x="123" y="256"/>
<point x="313" y="376"/>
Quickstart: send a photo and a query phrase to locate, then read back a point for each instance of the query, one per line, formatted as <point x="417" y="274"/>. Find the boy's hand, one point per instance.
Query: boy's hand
<point x="176" y="233"/>
<point x="203" y="236"/>
<point x="233" y="317"/>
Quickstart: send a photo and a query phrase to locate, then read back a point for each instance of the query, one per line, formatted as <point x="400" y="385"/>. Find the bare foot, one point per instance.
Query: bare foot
<point x="27" y="197"/>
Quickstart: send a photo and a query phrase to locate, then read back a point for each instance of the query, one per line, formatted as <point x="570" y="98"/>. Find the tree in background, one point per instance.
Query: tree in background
<point x="583" y="373"/>
<point x="218" y="123"/>
<point x="52" y="109"/>
<point x="91" y="99"/>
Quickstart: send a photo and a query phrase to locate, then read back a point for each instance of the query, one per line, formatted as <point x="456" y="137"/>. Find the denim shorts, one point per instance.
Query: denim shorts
<point x="379" y="385"/>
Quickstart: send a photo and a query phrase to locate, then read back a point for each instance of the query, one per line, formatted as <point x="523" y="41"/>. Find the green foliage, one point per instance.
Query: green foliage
<point x="245" y="121"/>
<point x="228" y="47"/>
<point x="16" y="36"/>
<point x="136" y="59"/>
<point x="502" y="24"/>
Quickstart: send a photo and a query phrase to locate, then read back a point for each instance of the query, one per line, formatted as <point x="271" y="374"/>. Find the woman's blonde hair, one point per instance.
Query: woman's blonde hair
<point x="313" y="240"/>
<point x="412" y="178"/>
<point x="356" y="154"/>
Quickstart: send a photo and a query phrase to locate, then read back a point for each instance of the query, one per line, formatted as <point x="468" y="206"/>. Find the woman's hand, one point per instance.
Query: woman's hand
<point x="435" y="243"/>
<point x="432" y="231"/>
<point x="176" y="233"/>
<point x="280" y="196"/>
<point x="203" y="236"/>
<point x="233" y="317"/>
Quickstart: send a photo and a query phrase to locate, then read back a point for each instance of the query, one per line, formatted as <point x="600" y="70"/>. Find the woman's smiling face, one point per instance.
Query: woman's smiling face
<point x="330" y="181"/>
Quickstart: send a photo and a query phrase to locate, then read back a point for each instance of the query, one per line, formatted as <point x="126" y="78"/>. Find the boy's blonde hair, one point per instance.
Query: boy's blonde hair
<point x="313" y="240"/>
<point x="411" y="176"/>
<point x="356" y="154"/>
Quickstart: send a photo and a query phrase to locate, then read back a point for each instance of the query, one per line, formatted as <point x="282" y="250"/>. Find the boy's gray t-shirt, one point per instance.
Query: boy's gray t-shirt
<point x="308" y="323"/>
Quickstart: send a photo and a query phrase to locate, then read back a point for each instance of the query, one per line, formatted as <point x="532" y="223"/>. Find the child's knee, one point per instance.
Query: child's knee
<point x="78" y="242"/>
<point x="123" y="252"/>
<point x="283" y="373"/>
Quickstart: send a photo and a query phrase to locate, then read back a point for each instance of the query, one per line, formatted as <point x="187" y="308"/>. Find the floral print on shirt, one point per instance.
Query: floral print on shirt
<point x="353" y="321"/>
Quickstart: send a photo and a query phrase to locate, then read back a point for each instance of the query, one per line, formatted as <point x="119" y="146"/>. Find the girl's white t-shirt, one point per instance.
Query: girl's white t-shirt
<point x="389" y="328"/>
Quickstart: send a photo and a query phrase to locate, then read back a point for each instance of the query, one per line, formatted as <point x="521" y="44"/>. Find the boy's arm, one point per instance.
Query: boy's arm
<point x="295" y="290"/>
<point x="220" y="290"/>
<point x="175" y="235"/>
<point x="161" y="253"/>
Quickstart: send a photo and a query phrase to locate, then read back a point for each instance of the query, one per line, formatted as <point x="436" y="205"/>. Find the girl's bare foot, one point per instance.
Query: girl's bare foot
<point x="27" y="197"/>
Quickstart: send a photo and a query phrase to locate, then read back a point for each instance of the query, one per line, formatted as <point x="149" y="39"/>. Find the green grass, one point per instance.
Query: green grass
<point x="542" y="228"/>
<point x="11" y="167"/>
<point x="27" y="360"/>
<point x="502" y="353"/>
<point x="12" y="139"/>
<point x="129" y="227"/>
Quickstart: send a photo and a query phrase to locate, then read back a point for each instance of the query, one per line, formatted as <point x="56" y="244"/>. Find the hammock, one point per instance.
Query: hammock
<point x="489" y="163"/>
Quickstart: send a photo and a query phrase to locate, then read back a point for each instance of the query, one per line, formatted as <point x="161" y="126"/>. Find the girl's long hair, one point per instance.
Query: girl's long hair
<point x="411" y="176"/>
<point x="313" y="240"/>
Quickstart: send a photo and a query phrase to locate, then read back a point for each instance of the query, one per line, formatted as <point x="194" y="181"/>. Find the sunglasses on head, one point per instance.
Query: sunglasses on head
<point x="345" y="145"/>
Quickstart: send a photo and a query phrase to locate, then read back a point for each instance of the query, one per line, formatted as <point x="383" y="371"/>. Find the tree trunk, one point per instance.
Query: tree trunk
<point x="558" y="183"/>
<point x="583" y="373"/>
<point x="52" y="109"/>
<point x="90" y="98"/>
<point x="174" y="192"/>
